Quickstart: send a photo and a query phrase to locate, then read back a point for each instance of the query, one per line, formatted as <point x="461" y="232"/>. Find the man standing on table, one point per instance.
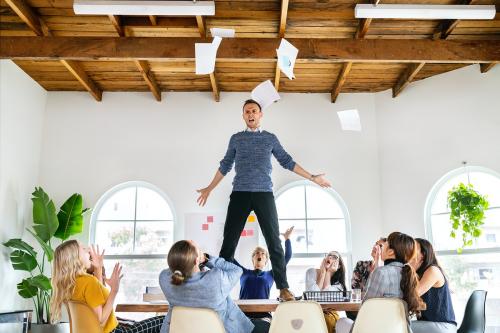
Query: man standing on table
<point x="251" y="151"/>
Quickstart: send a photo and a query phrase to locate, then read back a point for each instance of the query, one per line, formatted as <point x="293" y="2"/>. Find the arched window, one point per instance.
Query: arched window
<point x="478" y="267"/>
<point x="321" y="223"/>
<point x="134" y="222"/>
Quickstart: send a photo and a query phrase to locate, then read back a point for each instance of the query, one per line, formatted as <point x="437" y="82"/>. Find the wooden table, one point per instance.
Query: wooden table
<point x="247" y="305"/>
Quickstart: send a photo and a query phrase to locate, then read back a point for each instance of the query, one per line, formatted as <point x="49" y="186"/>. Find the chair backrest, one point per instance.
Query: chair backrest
<point x="393" y="311"/>
<point x="200" y="320"/>
<point x="475" y="313"/>
<point x="82" y="319"/>
<point x="298" y="317"/>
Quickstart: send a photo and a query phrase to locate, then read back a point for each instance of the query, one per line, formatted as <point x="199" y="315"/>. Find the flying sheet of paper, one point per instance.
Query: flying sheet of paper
<point x="223" y="33"/>
<point x="349" y="120"/>
<point x="287" y="54"/>
<point x="265" y="94"/>
<point x="205" y="54"/>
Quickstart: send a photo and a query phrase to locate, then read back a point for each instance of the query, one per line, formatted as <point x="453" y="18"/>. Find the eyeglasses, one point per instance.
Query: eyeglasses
<point x="334" y="256"/>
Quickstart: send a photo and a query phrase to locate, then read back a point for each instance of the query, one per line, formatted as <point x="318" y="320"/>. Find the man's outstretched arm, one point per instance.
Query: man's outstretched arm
<point x="318" y="179"/>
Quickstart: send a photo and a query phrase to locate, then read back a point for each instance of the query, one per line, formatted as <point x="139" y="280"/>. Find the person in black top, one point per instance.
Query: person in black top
<point x="433" y="287"/>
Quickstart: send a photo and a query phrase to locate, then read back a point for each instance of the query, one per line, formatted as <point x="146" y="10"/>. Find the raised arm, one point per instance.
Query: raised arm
<point x="104" y="311"/>
<point x="229" y="271"/>
<point x="288" y="244"/>
<point x="226" y="164"/>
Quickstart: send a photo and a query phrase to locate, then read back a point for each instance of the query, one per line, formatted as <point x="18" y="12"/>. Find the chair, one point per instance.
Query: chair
<point x="393" y="311"/>
<point x="475" y="313"/>
<point x="82" y="318"/>
<point x="199" y="320"/>
<point x="298" y="317"/>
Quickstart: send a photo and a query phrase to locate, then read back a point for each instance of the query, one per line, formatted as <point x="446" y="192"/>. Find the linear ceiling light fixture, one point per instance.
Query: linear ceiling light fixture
<point x="137" y="7"/>
<point x="426" y="12"/>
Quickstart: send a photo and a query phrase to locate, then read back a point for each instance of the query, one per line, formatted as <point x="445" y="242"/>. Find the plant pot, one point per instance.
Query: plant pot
<point x="49" y="328"/>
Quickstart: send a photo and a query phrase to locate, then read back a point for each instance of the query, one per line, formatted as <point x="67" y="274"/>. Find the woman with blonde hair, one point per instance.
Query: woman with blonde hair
<point x="71" y="282"/>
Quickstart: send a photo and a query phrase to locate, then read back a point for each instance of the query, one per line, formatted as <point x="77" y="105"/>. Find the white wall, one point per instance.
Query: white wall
<point x="177" y="144"/>
<point x="427" y="131"/>
<point x="22" y="111"/>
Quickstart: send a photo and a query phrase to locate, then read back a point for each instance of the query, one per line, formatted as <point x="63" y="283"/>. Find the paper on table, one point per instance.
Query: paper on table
<point x="287" y="54"/>
<point x="223" y="33"/>
<point x="205" y="54"/>
<point x="349" y="120"/>
<point x="265" y="94"/>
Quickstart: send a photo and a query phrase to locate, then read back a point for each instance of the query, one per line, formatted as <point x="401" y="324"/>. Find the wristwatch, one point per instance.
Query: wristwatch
<point x="312" y="177"/>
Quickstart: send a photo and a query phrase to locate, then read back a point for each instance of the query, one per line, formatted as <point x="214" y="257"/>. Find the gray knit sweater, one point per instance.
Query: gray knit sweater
<point x="251" y="152"/>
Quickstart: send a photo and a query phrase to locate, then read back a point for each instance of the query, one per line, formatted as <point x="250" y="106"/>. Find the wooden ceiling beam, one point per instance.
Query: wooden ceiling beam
<point x="284" y="13"/>
<point x="116" y="21"/>
<point x="215" y="86"/>
<point x="335" y="50"/>
<point x="364" y="24"/>
<point x="78" y="72"/>
<point x="447" y="26"/>
<point x="405" y="79"/>
<point x="145" y="70"/>
<point x="486" y="67"/>
<point x="200" y="20"/>
<point x="32" y="20"/>
<point x="346" y="68"/>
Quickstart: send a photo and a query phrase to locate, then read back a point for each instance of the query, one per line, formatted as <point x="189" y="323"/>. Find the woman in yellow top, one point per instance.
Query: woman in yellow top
<point x="70" y="281"/>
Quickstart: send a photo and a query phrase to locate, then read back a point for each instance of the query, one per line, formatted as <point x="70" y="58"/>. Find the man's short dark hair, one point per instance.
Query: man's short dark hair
<point x="251" y="101"/>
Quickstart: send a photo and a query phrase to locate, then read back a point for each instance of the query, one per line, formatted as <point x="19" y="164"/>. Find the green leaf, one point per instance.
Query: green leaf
<point x="46" y="247"/>
<point x="41" y="282"/>
<point x="70" y="217"/>
<point x="44" y="215"/>
<point x="19" y="244"/>
<point x="26" y="290"/>
<point x="23" y="261"/>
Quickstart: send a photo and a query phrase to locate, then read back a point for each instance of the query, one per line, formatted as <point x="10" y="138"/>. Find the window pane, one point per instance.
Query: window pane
<point x="120" y="206"/>
<point x="291" y="204"/>
<point x="153" y="237"/>
<point x="151" y="205"/>
<point x="487" y="184"/>
<point x="326" y="235"/>
<point x="440" y="204"/>
<point x="470" y="272"/>
<point x="321" y="204"/>
<point x="115" y="237"/>
<point x="137" y="274"/>
<point x="298" y="237"/>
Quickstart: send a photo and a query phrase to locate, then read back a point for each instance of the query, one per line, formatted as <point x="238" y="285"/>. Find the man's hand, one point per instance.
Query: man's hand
<point x="204" y="193"/>
<point x="321" y="180"/>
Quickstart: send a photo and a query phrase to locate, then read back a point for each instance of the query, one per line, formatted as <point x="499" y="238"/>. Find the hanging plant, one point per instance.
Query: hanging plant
<point x="467" y="213"/>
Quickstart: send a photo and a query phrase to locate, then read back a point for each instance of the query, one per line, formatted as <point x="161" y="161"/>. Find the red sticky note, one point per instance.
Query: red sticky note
<point x="250" y="232"/>
<point x="204" y="226"/>
<point x="210" y="219"/>
<point x="243" y="233"/>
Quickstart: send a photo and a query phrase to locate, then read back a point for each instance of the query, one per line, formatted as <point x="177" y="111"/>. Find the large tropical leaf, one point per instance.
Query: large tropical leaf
<point x="41" y="282"/>
<point x="49" y="252"/>
<point x="70" y="217"/>
<point x="19" y="244"/>
<point x="26" y="289"/>
<point x="22" y="261"/>
<point x="45" y="220"/>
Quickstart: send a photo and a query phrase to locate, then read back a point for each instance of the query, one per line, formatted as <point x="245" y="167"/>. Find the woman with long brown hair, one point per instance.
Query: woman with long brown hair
<point x="71" y="282"/>
<point x="439" y="316"/>
<point x="396" y="278"/>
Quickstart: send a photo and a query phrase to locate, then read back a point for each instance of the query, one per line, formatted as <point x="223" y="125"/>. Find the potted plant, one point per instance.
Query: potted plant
<point x="46" y="225"/>
<point x="467" y="208"/>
